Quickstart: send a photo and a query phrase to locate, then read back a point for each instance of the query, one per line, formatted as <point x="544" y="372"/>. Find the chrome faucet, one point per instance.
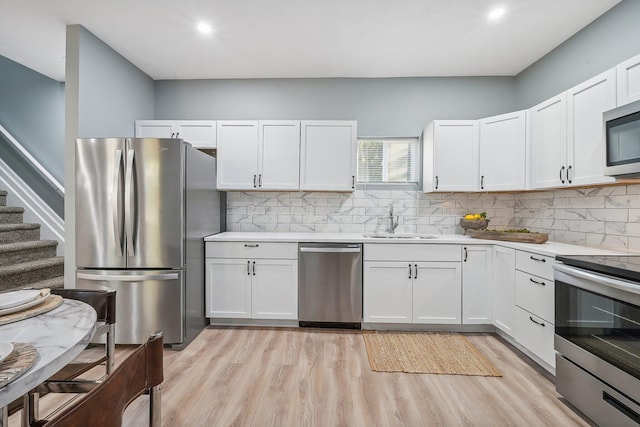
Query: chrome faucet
<point x="393" y="223"/>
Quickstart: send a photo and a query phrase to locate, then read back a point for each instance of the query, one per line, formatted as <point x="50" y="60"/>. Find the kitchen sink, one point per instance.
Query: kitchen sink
<point x="398" y="236"/>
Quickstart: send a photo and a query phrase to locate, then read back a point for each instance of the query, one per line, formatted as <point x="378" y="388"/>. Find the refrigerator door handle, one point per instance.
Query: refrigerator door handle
<point x="114" y="206"/>
<point x="128" y="190"/>
<point x="127" y="277"/>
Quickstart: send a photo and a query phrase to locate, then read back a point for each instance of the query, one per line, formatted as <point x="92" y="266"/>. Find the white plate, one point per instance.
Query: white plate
<point x="12" y="299"/>
<point x="5" y="350"/>
<point x="42" y="296"/>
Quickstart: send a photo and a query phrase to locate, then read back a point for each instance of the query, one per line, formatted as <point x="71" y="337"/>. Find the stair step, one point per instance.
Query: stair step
<point x="14" y="253"/>
<point x="54" y="283"/>
<point x="19" y="232"/>
<point x="11" y="215"/>
<point x="23" y="274"/>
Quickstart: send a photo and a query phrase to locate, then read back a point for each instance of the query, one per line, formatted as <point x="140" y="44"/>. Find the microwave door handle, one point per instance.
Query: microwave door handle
<point x="115" y="207"/>
<point x="129" y="210"/>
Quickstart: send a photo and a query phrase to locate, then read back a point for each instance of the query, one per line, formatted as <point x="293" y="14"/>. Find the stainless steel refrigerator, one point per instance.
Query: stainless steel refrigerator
<point x="142" y="209"/>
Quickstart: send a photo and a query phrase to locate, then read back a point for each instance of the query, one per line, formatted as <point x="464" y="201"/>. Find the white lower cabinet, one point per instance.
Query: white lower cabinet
<point x="503" y="289"/>
<point x="535" y="302"/>
<point x="258" y="286"/>
<point x="423" y="289"/>
<point x="476" y="284"/>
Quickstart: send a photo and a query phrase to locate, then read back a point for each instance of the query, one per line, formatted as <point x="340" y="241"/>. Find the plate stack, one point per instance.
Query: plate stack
<point x="15" y="301"/>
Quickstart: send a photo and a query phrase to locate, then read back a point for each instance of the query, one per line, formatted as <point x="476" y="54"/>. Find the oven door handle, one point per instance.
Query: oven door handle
<point x="597" y="279"/>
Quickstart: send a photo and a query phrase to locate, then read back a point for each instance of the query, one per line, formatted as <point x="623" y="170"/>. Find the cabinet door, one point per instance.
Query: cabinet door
<point x="328" y="155"/>
<point x="536" y="335"/>
<point x="199" y="133"/>
<point x="387" y="292"/>
<point x="585" y="150"/>
<point x="628" y="81"/>
<point x="503" y="292"/>
<point x="455" y="155"/>
<point x="237" y="155"/>
<point x="228" y="291"/>
<point x="476" y="284"/>
<point x="279" y="155"/>
<point x="154" y="129"/>
<point x="548" y="133"/>
<point x="274" y="289"/>
<point x="437" y="293"/>
<point x="502" y="152"/>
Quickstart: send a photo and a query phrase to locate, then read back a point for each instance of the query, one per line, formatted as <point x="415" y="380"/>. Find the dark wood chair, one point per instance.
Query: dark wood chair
<point x="141" y="372"/>
<point x="66" y="380"/>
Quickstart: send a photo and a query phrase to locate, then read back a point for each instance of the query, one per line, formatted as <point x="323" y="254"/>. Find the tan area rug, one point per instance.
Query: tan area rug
<point x="426" y="353"/>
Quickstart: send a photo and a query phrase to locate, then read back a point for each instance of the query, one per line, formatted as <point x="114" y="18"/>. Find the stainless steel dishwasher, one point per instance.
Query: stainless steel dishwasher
<point x="330" y="284"/>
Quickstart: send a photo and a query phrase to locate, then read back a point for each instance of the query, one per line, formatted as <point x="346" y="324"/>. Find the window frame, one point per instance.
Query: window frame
<point x="393" y="185"/>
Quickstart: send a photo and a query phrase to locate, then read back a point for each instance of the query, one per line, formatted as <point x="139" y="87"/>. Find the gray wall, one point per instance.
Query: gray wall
<point x="32" y="110"/>
<point x="112" y="92"/>
<point x="382" y="106"/>
<point x="607" y="41"/>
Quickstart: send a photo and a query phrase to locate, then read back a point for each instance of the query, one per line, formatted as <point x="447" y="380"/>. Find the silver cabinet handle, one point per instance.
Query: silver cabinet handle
<point x="329" y="250"/>
<point x="248" y="268"/>
<point x="537" y="259"/>
<point x="410" y="273"/>
<point x="415" y="271"/>
<point x="537" y="323"/>
<point x="536" y="282"/>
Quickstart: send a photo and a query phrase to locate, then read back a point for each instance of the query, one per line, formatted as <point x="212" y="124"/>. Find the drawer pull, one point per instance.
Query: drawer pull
<point x="621" y="406"/>
<point x="536" y="282"/>
<point x="538" y="259"/>
<point x="250" y="246"/>
<point x="537" y="323"/>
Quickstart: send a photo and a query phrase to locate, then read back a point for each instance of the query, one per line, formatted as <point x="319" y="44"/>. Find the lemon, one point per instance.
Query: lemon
<point x="469" y="216"/>
<point x="477" y="216"/>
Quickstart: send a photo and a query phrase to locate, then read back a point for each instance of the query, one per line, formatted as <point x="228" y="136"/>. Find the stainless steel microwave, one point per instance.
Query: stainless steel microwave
<point x="622" y="141"/>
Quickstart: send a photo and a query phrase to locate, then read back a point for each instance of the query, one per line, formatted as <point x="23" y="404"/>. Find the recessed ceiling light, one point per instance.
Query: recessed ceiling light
<point x="204" y="28"/>
<point x="496" y="13"/>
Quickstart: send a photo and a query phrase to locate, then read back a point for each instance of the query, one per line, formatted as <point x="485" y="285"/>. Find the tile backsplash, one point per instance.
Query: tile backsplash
<point x="606" y="217"/>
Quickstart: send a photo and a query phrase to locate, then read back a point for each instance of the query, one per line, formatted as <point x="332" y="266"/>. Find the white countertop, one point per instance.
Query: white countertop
<point x="547" y="248"/>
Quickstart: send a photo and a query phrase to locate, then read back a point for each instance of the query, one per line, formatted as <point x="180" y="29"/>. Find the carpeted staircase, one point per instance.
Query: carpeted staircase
<point x="25" y="260"/>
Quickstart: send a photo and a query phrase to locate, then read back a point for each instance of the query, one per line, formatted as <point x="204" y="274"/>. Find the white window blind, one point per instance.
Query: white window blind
<point x="388" y="160"/>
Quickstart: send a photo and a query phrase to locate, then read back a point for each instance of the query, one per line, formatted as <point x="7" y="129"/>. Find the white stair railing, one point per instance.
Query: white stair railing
<point x="20" y="194"/>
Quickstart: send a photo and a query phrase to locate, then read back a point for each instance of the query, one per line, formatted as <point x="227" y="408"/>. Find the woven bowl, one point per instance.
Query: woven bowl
<point x="473" y="224"/>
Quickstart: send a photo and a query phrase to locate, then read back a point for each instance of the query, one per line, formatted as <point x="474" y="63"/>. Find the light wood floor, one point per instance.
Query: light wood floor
<point x="316" y="377"/>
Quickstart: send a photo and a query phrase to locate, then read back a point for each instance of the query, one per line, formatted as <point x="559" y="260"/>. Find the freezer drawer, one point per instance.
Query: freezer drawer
<point x="146" y="302"/>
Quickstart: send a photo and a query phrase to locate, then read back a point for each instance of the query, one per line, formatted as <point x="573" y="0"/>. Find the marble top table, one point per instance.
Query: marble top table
<point x="58" y="335"/>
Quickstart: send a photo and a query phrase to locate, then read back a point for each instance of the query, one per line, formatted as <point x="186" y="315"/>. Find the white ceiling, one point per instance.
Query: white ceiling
<point x="299" y="38"/>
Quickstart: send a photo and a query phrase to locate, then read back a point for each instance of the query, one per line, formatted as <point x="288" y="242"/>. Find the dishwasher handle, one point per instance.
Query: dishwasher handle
<point x="329" y="250"/>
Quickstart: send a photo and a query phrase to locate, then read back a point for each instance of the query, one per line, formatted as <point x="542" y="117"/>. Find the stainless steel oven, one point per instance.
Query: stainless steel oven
<point x="597" y="336"/>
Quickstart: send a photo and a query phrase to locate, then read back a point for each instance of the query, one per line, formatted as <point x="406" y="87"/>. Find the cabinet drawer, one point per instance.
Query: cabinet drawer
<point x="411" y="252"/>
<point x="536" y="335"/>
<point x="251" y="250"/>
<point x="539" y="265"/>
<point x="535" y="295"/>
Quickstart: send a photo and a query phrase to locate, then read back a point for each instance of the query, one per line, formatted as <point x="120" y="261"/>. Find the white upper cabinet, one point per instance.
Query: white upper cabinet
<point x="548" y="139"/>
<point x="279" y="155"/>
<point x="199" y="133"/>
<point x="585" y="145"/>
<point x="503" y="152"/>
<point x="237" y="155"/>
<point x="628" y="81"/>
<point x="328" y="155"/>
<point x="451" y="156"/>
<point x="258" y="155"/>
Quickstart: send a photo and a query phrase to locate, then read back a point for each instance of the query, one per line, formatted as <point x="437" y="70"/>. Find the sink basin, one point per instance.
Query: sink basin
<point x="398" y="236"/>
